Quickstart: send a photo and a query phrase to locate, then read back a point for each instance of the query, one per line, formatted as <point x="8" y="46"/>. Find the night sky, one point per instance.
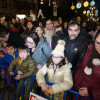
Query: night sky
<point x="97" y="2"/>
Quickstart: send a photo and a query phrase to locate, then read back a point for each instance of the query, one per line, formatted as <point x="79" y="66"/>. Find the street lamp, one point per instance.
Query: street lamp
<point x="41" y="2"/>
<point x="84" y="12"/>
<point x="92" y="3"/>
<point x="72" y="7"/>
<point x="86" y="4"/>
<point x="78" y="5"/>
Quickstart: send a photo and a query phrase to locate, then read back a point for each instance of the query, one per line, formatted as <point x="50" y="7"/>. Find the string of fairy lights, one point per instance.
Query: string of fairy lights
<point x="91" y="13"/>
<point x="89" y="8"/>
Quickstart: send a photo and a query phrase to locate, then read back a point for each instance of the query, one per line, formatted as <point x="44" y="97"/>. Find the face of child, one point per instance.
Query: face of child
<point x="23" y="54"/>
<point x="11" y="50"/>
<point x="97" y="44"/>
<point x="29" y="25"/>
<point x="57" y="59"/>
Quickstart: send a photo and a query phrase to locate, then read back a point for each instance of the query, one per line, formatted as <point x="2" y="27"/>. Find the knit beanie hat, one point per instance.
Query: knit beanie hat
<point x="59" y="49"/>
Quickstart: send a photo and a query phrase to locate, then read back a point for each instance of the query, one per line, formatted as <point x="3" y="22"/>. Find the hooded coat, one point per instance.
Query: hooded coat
<point x="62" y="79"/>
<point x="92" y="82"/>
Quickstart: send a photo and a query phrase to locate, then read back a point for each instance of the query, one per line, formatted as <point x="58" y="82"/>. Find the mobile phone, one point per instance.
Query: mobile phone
<point x="40" y="11"/>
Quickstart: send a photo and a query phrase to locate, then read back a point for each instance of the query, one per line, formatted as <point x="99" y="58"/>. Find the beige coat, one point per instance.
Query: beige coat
<point x="62" y="79"/>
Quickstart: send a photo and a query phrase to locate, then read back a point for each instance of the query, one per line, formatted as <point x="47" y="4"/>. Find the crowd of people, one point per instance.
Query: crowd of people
<point x="61" y="52"/>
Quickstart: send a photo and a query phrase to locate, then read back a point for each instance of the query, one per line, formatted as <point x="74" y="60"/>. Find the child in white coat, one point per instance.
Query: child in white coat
<point x="58" y="72"/>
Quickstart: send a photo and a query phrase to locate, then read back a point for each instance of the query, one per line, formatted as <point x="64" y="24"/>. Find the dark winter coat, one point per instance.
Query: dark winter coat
<point x="87" y="37"/>
<point x="92" y="82"/>
<point x="6" y="60"/>
<point x="55" y="39"/>
<point x="74" y="51"/>
<point x="16" y="39"/>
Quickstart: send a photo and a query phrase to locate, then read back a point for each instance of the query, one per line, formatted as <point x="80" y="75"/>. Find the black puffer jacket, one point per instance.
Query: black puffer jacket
<point x="87" y="37"/>
<point x="74" y="51"/>
<point x="58" y="36"/>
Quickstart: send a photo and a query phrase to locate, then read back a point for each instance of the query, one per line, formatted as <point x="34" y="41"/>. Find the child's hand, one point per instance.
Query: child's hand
<point x="39" y="66"/>
<point x="44" y="87"/>
<point x="83" y="91"/>
<point x="50" y="91"/>
<point x="19" y="72"/>
<point x="17" y="77"/>
<point x="11" y="73"/>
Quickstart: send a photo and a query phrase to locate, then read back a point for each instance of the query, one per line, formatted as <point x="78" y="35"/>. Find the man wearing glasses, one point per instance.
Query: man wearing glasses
<point x="49" y="30"/>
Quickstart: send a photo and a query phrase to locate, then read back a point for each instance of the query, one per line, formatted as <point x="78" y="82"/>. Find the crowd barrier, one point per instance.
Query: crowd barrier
<point x="32" y="80"/>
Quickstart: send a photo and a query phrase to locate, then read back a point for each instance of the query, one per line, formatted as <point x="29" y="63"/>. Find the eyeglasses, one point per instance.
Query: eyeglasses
<point x="49" y="23"/>
<point x="57" y="57"/>
<point x="31" y="43"/>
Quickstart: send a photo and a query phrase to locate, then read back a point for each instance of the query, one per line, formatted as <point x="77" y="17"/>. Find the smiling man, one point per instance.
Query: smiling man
<point x="75" y="46"/>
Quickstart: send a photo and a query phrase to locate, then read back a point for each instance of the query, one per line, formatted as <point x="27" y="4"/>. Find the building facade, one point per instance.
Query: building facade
<point x="13" y="7"/>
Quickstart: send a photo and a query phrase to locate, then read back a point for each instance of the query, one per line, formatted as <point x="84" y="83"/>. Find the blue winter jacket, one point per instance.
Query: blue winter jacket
<point x="6" y="60"/>
<point x="42" y="52"/>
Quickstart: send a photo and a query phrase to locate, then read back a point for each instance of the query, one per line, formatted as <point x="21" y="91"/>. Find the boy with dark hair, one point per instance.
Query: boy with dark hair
<point x="26" y="68"/>
<point x="12" y="53"/>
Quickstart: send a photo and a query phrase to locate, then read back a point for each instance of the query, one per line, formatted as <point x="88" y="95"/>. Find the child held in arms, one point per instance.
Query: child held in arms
<point x="26" y="68"/>
<point x="58" y="71"/>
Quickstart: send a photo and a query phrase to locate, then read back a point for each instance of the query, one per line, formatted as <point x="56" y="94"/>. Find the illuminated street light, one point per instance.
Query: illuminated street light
<point x="86" y="4"/>
<point x="96" y="11"/>
<point x="88" y="11"/>
<point x="92" y="3"/>
<point x="41" y="2"/>
<point x="72" y="7"/>
<point x="49" y="3"/>
<point x="97" y="19"/>
<point x="84" y="12"/>
<point x="96" y="15"/>
<point x="87" y="14"/>
<point x="78" y="5"/>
